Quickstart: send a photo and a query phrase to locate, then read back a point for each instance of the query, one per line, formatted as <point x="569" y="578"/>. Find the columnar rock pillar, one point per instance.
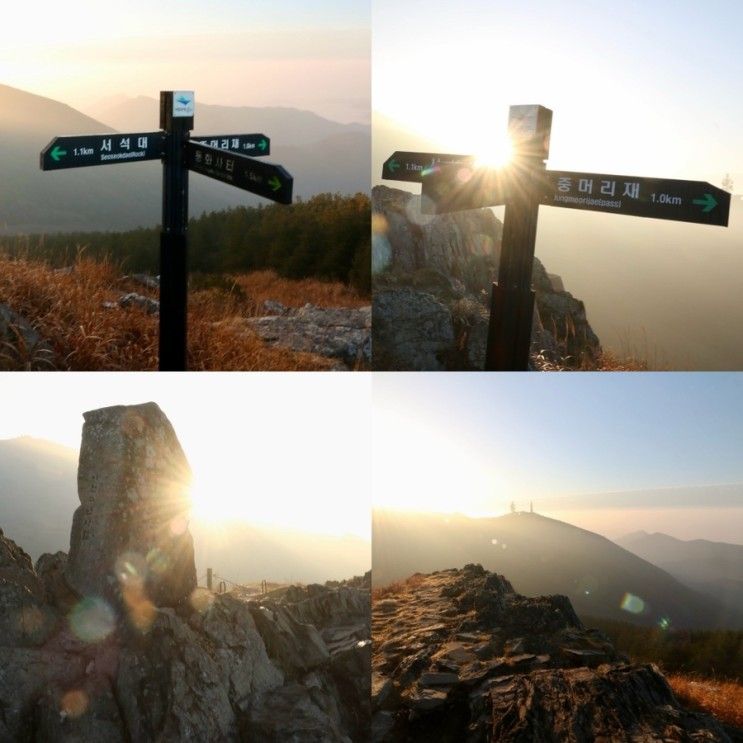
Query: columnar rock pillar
<point x="130" y="542"/>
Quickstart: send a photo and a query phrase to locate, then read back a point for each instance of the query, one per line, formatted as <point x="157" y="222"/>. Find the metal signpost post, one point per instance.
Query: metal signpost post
<point x="226" y="157"/>
<point x="452" y="183"/>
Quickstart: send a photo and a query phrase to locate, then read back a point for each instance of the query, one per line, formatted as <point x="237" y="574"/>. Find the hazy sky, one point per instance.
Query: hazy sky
<point x="231" y="52"/>
<point x="636" y="87"/>
<point x="275" y="448"/>
<point x="474" y="442"/>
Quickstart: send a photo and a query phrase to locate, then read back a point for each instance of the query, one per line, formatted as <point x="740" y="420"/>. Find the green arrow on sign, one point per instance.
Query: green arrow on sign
<point x="393" y="165"/>
<point x="275" y="183"/>
<point x="262" y="145"/>
<point x="708" y="202"/>
<point x="57" y="152"/>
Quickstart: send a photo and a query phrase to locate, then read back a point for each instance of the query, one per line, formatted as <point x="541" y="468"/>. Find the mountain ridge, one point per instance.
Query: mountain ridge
<point x="544" y="555"/>
<point x="324" y="157"/>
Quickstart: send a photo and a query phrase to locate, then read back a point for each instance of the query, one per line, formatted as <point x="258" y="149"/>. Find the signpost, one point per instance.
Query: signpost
<point x="681" y="201"/>
<point x="454" y="188"/>
<point x="101" y="149"/>
<point x="226" y="157"/>
<point x="413" y="166"/>
<point x="261" y="178"/>
<point x="452" y="183"/>
<point x="255" y="145"/>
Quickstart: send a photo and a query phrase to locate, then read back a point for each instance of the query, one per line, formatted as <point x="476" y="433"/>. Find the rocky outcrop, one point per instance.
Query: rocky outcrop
<point x="130" y="541"/>
<point x="338" y="333"/>
<point x="458" y="655"/>
<point x="432" y="286"/>
<point x="100" y="647"/>
<point x="25" y="620"/>
<point x="21" y="345"/>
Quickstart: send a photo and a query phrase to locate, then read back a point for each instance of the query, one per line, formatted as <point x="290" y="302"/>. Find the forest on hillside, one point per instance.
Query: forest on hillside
<point x="326" y="237"/>
<point x="709" y="653"/>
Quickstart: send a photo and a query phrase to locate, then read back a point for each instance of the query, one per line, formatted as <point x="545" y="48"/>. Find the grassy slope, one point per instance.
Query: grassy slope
<point x="67" y="308"/>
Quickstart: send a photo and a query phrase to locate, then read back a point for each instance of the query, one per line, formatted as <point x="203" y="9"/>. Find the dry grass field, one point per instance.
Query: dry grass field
<point x="67" y="307"/>
<point x="723" y="699"/>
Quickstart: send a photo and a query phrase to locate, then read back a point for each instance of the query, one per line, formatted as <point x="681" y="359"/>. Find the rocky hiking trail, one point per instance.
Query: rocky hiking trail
<point x="459" y="656"/>
<point x="116" y="642"/>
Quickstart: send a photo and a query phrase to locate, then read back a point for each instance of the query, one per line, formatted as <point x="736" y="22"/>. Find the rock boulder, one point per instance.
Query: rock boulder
<point x="130" y="541"/>
<point x="458" y="655"/>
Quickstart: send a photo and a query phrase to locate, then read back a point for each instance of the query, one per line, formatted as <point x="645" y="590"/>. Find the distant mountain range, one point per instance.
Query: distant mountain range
<point x="321" y="155"/>
<point x="544" y="556"/>
<point x="38" y="495"/>
<point x="713" y="568"/>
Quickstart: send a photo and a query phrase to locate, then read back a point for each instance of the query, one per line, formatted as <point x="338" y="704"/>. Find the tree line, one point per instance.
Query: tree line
<point x="326" y="237"/>
<point x="709" y="653"/>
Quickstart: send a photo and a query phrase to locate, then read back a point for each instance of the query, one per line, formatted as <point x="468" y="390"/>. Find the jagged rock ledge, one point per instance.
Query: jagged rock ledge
<point x="116" y="642"/>
<point x="458" y="655"/>
<point x="432" y="280"/>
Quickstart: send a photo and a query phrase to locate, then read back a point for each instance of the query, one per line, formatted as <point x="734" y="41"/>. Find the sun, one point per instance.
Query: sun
<point x="496" y="152"/>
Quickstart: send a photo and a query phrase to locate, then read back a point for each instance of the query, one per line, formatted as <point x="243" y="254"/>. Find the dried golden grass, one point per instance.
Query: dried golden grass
<point x="609" y="361"/>
<point x="262" y="285"/>
<point x="722" y="699"/>
<point x="398" y="586"/>
<point x="66" y="307"/>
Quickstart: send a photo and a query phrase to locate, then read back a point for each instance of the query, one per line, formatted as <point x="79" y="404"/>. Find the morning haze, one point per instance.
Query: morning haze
<point x="612" y="455"/>
<point x="651" y="93"/>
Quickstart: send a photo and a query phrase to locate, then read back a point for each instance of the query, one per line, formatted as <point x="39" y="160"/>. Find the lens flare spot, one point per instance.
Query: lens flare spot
<point x="464" y="174"/>
<point x="140" y="610"/>
<point x="131" y="569"/>
<point x="664" y="623"/>
<point x="92" y="620"/>
<point x="201" y="599"/>
<point x="493" y="541"/>
<point x="588" y="584"/>
<point x="74" y="703"/>
<point x="157" y="561"/>
<point x="504" y="545"/>
<point x="178" y="525"/>
<point x="633" y="604"/>
<point x="379" y="224"/>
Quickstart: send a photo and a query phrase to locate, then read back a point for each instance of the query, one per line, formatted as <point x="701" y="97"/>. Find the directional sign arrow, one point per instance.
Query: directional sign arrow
<point x="255" y="145"/>
<point x="101" y="149"/>
<point x="452" y="188"/>
<point x="412" y="166"/>
<point x="708" y="202"/>
<point x="241" y="171"/>
<point x="657" y="198"/>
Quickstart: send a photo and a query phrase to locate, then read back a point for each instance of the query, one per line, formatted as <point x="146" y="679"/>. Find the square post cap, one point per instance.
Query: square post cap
<point x="177" y="105"/>
<point x="529" y="128"/>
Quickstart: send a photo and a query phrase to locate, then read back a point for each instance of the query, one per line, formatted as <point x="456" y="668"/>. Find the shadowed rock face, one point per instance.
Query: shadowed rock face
<point x="459" y="656"/>
<point x="432" y="292"/>
<point x="130" y="532"/>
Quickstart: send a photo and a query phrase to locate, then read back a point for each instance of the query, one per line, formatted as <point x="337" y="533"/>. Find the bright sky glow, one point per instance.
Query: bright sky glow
<point x="286" y="450"/>
<point x="643" y="88"/>
<point x="314" y="56"/>
<point x="472" y="443"/>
